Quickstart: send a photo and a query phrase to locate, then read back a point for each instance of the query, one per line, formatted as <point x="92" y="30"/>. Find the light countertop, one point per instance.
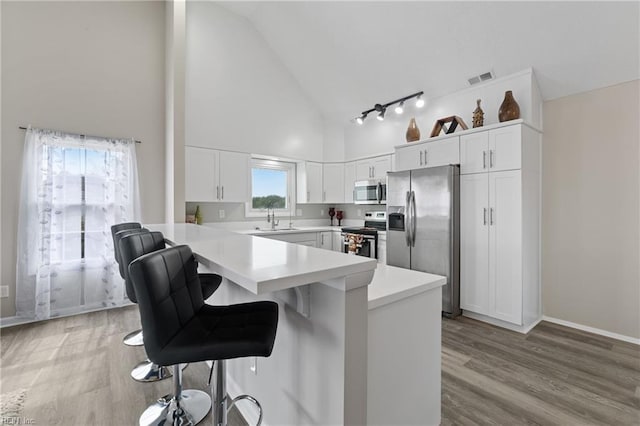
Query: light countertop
<point x="391" y="284"/>
<point x="263" y="265"/>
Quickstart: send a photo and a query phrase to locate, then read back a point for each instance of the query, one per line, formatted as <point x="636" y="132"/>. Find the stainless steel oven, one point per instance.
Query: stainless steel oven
<point x="371" y="191"/>
<point x="363" y="240"/>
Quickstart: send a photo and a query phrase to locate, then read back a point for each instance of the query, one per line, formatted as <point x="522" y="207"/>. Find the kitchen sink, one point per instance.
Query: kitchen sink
<point x="275" y="230"/>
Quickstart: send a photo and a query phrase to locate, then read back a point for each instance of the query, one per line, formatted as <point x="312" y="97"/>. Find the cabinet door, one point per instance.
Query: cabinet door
<point x="364" y="170"/>
<point x="474" y="151"/>
<point x="505" y="148"/>
<point x="349" y="180"/>
<point x="337" y="241"/>
<point x="314" y="182"/>
<point x="381" y="165"/>
<point x="201" y="174"/>
<point x="505" y="246"/>
<point x="442" y="153"/>
<point x="325" y="240"/>
<point x="474" y="243"/>
<point x="333" y="182"/>
<point x="410" y="157"/>
<point x="234" y="177"/>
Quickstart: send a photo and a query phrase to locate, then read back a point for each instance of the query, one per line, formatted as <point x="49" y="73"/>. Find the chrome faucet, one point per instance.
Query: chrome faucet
<point x="272" y="219"/>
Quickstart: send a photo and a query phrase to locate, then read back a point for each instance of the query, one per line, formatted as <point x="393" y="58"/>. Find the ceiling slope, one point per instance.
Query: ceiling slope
<point x="349" y="55"/>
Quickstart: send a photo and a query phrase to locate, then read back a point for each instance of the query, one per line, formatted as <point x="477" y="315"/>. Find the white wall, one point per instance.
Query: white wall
<point x="590" y="214"/>
<point x="375" y="137"/>
<point x="84" y="67"/>
<point x="239" y="95"/>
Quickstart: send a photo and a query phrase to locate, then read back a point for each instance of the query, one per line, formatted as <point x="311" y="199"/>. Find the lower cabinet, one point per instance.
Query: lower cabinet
<point x="305" y="239"/>
<point x="325" y="240"/>
<point x="338" y="243"/>
<point x="493" y="249"/>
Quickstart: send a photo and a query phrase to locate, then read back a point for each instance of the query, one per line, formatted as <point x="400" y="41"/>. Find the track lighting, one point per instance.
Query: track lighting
<point x="381" y="109"/>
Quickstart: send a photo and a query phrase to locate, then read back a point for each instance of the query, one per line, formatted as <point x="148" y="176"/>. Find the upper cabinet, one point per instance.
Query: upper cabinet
<point x="349" y="181"/>
<point x="496" y="150"/>
<point x="333" y="183"/>
<point x="373" y="168"/>
<point x="428" y="154"/>
<point x="212" y="175"/>
<point x="309" y="182"/>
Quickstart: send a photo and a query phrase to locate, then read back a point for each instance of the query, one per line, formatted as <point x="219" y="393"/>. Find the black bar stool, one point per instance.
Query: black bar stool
<point x="179" y="327"/>
<point x="135" y="337"/>
<point x="131" y="245"/>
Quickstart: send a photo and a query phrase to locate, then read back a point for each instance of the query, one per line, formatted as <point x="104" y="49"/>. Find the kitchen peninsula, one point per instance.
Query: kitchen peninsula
<point x="333" y="309"/>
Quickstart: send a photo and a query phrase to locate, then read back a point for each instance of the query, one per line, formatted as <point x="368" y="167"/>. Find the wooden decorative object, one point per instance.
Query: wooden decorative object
<point x="441" y="124"/>
<point x="478" y="116"/>
<point x="413" y="133"/>
<point x="509" y="110"/>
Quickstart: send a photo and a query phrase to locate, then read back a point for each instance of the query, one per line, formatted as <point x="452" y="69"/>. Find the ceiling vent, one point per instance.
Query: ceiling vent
<point x="480" y="78"/>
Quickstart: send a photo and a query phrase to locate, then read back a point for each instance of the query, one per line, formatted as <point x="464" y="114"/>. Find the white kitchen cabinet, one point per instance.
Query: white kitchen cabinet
<point x="337" y="243"/>
<point x="325" y="240"/>
<point x="500" y="231"/>
<point x="373" y="168"/>
<point x="234" y="177"/>
<point x="494" y="150"/>
<point x="349" y="181"/>
<point x="428" y="154"/>
<point x="382" y="248"/>
<point x="303" y="238"/>
<point x="212" y="175"/>
<point x="333" y="182"/>
<point x="474" y="243"/>
<point x="309" y="182"/>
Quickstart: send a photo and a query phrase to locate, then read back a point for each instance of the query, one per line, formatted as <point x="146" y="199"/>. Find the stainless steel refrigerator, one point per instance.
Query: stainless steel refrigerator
<point x="423" y="222"/>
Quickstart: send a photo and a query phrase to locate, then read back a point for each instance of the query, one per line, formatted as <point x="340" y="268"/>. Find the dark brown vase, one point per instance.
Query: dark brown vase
<point x="509" y="110"/>
<point x="413" y="133"/>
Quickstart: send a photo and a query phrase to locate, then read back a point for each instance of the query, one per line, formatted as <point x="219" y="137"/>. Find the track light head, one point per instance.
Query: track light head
<point x="360" y="119"/>
<point x="399" y="108"/>
<point x="419" y="101"/>
<point x="380" y="115"/>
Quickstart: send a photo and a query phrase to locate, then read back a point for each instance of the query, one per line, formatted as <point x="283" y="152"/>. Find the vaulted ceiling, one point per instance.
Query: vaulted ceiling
<point x="349" y="55"/>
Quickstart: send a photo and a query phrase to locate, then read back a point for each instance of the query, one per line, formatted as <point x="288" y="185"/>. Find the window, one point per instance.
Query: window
<point x="73" y="189"/>
<point x="272" y="187"/>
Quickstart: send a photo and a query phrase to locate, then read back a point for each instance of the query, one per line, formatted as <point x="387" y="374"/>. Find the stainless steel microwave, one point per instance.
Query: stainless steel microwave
<point x="371" y="191"/>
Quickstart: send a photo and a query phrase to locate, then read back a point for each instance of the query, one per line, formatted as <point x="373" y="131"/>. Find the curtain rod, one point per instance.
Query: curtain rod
<point x="24" y="128"/>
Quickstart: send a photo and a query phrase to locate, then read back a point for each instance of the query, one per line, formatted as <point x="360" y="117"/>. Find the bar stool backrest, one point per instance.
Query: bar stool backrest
<point x="132" y="245"/>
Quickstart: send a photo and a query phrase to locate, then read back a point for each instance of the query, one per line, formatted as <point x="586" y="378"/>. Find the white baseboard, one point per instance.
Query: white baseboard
<point x="524" y="329"/>
<point x="16" y="320"/>
<point x="593" y="330"/>
<point x="248" y="411"/>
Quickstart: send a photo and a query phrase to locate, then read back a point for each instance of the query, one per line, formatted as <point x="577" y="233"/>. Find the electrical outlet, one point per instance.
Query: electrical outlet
<point x="321" y="212"/>
<point x="359" y="212"/>
<point x="4" y="291"/>
<point x="254" y="365"/>
<point x="298" y="212"/>
<point x="221" y="213"/>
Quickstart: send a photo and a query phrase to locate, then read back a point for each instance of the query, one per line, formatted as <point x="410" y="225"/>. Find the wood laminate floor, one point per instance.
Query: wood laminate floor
<point x="552" y="376"/>
<point x="75" y="371"/>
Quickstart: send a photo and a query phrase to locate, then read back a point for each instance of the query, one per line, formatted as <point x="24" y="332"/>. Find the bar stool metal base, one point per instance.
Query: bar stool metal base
<point x="221" y="405"/>
<point x="193" y="407"/>
<point x="133" y="339"/>
<point x="148" y="371"/>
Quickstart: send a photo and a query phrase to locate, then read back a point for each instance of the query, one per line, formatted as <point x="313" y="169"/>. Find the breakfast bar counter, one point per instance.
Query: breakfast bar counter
<point x="339" y="360"/>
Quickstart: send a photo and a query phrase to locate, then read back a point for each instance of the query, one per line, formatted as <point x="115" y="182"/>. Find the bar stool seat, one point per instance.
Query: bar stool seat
<point x="179" y="327"/>
<point x="131" y="245"/>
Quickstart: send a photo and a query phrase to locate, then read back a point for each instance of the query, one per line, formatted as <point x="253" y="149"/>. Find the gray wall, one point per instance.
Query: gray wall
<point x="590" y="214"/>
<point x="84" y="67"/>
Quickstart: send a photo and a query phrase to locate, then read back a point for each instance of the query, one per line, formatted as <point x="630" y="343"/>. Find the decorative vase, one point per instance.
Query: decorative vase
<point x="478" y="116"/>
<point x="509" y="110"/>
<point x="198" y="216"/>
<point x="413" y="133"/>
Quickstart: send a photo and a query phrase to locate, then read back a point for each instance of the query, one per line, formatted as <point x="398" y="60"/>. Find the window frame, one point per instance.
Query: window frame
<point x="263" y="163"/>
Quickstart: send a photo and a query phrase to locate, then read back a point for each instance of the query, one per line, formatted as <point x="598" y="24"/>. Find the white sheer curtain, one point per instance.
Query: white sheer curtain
<point x="73" y="189"/>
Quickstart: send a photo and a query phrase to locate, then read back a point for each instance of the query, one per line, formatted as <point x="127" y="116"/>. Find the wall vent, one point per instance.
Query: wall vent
<point x="480" y="78"/>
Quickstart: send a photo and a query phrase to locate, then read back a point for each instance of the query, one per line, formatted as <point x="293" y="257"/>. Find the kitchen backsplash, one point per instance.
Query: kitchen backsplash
<point x="234" y="212"/>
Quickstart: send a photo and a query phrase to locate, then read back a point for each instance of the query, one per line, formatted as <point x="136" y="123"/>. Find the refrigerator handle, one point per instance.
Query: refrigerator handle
<point x="413" y="219"/>
<point x="407" y="219"/>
